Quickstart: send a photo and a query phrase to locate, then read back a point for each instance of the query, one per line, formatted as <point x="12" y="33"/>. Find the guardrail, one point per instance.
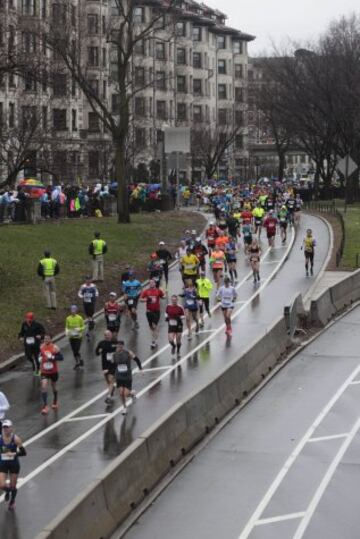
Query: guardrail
<point x="330" y="208"/>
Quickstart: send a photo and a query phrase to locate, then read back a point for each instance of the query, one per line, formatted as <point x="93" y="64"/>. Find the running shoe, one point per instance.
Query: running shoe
<point x="7" y="495"/>
<point x="45" y="410"/>
<point x="173" y="348"/>
<point x="124" y="412"/>
<point x="11" y="506"/>
<point x="55" y="406"/>
<point x="108" y="400"/>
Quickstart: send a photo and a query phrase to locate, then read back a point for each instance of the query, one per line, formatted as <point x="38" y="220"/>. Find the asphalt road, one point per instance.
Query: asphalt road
<point x="287" y="466"/>
<point x="68" y="448"/>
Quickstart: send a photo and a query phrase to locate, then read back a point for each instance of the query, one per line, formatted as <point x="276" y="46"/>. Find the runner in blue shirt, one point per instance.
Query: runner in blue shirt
<point x="132" y="290"/>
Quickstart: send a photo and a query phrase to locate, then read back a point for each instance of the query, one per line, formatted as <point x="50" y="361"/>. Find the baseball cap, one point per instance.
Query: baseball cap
<point x="113" y="294"/>
<point x="198" y="238"/>
<point x="7" y="423"/>
<point x="193" y="231"/>
<point x="161" y="243"/>
<point x="73" y="308"/>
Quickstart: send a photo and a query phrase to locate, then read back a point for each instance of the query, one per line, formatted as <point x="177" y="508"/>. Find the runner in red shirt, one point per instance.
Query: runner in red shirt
<point x="246" y="217"/>
<point x="211" y="235"/>
<point x="49" y="356"/>
<point x="152" y="296"/>
<point x="175" y="315"/>
<point x="270" y="224"/>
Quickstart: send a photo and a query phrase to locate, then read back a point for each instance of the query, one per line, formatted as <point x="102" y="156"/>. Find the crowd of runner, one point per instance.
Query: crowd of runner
<point x="206" y="262"/>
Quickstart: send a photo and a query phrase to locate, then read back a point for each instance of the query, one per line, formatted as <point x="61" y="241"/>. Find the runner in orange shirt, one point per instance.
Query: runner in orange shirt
<point x="217" y="264"/>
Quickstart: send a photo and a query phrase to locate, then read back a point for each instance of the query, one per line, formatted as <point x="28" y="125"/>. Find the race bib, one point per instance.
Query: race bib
<point x="189" y="267"/>
<point x="87" y="299"/>
<point x="190" y="302"/>
<point x="162" y="261"/>
<point x="122" y="368"/>
<point x="30" y="340"/>
<point x="173" y="322"/>
<point x="7" y="456"/>
<point x="112" y="317"/>
<point x="153" y="300"/>
<point x="75" y="332"/>
<point x="110" y="357"/>
<point x="130" y="302"/>
<point x="47" y="366"/>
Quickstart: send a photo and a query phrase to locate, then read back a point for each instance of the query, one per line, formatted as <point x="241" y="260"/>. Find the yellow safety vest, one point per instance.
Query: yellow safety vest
<point x="48" y="265"/>
<point x="98" y="246"/>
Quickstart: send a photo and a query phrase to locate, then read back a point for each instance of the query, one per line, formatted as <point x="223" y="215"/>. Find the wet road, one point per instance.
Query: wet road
<point x="68" y="448"/>
<point x="287" y="466"/>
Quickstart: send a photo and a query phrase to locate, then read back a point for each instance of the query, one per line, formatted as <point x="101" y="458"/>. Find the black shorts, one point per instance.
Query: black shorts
<point x="248" y="240"/>
<point x="283" y="225"/>
<point x="89" y="309"/>
<point x="258" y="222"/>
<point x="113" y="327"/>
<point x="271" y="234"/>
<point x="10" y="466"/>
<point x="227" y="308"/>
<point x="230" y="260"/>
<point x="309" y="256"/>
<point x="108" y="366"/>
<point x="132" y="302"/>
<point x="54" y="377"/>
<point x="176" y="329"/>
<point x="153" y="317"/>
<point x="124" y="382"/>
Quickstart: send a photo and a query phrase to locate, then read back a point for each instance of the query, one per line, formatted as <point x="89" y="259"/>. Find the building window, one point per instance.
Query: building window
<point x="138" y="15"/>
<point x="1" y="114"/>
<point x="221" y="42"/>
<point x="94" y="86"/>
<point x="197" y="87"/>
<point x="197" y="113"/>
<point x="140" y="106"/>
<point x="73" y="15"/>
<point x="160" y="50"/>
<point x="29" y="82"/>
<point x="93" y="56"/>
<point x="139" y="47"/>
<point x="181" y="83"/>
<point x="93" y="121"/>
<point x="181" y="111"/>
<point x="239" y="71"/>
<point x="222" y="91"/>
<point x="43" y="9"/>
<point x="59" y="84"/>
<point x="28" y="7"/>
<point x="161" y="110"/>
<point x="44" y="117"/>
<point x="237" y="47"/>
<point x="115" y="103"/>
<point x="239" y="142"/>
<point x="196" y="33"/>
<point x="93" y="158"/>
<point x="59" y="119"/>
<point x="181" y="57"/>
<point x="222" y="116"/>
<point x="28" y="42"/>
<point x="93" y="23"/>
<point x="161" y="80"/>
<point x="11" y="114"/>
<point x="139" y="76"/>
<point x="239" y="95"/>
<point x="73" y="120"/>
<point x="12" y="80"/>
<point x="239" y="118"/>
<point x="140" y="137"/>
<point x="181" y="29"/>
<point x="197" y="60"/>
<point x="222" y="67"/>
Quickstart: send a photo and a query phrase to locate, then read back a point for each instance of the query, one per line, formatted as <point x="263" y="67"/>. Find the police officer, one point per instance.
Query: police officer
<point x="32" y="333"/>
<point x="47" y="269"/>
<point x="97" y="249"/>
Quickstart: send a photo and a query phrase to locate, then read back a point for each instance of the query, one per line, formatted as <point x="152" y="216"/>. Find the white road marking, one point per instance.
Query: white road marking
<point x="270" y="262"/>
<point x="82" y="417"/>
<point x="110" y="416"/>
<point x="325" y="481"/>
<point x="355" y="383"/>
<point x="326" y="438"/>
<point x="296" y="452"/>
<point x="206" y="331"/>
<point x="155" y="369"/>
<point x="280" y="518"/>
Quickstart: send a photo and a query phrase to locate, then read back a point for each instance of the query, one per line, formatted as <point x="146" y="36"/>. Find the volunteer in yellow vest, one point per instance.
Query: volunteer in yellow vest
<point x="190" y="266"/>
<point x="204" y="287"/>
<point x="47" y="269"/>
<point x="97" y="249"/>
<point x="74" y="329"/>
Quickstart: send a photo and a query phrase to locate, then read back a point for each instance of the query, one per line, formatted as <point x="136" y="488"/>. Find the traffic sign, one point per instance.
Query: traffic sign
<point x="347" y="166"/>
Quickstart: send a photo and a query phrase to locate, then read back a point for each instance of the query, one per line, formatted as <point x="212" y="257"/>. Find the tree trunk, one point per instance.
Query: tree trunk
<point x="316" y="182"/>
<point x="122" y="186"/>
<point x="282" y="164"/>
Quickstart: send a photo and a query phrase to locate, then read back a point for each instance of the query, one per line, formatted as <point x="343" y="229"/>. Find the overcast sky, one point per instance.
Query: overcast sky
<point x="280" y="19"/>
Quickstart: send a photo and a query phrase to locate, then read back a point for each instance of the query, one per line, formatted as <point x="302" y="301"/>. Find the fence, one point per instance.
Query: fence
<point x="330" y="208"/>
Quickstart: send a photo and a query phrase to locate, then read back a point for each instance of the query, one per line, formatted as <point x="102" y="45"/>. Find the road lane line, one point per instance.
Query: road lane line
<point x="145" y="390"/>
<point x="82" y="417"/>
<point x="293" y="456"/>
<point x="280" y="518"/>
<point x="326" y="438"/>
<point x="102" y="394"/>
<point x="155" y="369"/>
<point x="355" y="383"/>
<point x="325" y="481"/>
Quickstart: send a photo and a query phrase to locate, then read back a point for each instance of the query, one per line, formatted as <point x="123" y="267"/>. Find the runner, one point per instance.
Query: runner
<point x="165" y="256"/>
<point x="217" y="264"/>
<point x="298" y="207"/>
<point x="191" y="307"/>
<point x="49" y="356"/>
<point x="132" y="290"/>
<point x="258" y="215"/>
<point x="247" y="235"/>
<point x="174" y="316"/>
<point x="32" y="333"/>
<point x="309" y="245"/>
<point x="189" y="266"/>
<point x="152" y="296"/>
<point x="74" y="329"/>
<point x="227" y="296"/>
<point x="291" y="203"/>
<point x="270" y="225"/>
<point x="255" y="254"/>
<point x="11" y="449"/>
<point x="211" y="235"/>
<point x="122" y="362"/>
<point x="4" y="407"/>
<point x="113" y="311"/>
<point x="200" y="251"/>
<point x="230" y="253"/>
<point x="155" y="269"/>
<point x="284" y="216"/>
<point x="89" y="293"/>
<point x="204" y="287"/>
<point x="106" y="348"/>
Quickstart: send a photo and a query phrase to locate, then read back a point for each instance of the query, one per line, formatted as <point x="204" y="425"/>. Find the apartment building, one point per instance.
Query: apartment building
<point x="189" y="73"/>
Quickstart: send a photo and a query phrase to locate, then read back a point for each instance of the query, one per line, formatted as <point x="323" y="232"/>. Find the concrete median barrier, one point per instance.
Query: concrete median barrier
<point x="346" y="291"/>
<point x="322" y="309"/>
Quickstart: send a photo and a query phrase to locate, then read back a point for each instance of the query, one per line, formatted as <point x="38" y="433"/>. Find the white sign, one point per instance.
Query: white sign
<point x="177" y="139"/>
<point x="347" y="166"/>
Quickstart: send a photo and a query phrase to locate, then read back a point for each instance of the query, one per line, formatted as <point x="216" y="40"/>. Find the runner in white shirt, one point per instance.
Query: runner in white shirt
<point x="4" y="407"/>
<point x="227" y="296"/>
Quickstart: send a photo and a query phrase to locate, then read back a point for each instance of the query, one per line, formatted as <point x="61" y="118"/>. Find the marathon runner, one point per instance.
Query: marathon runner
<point x="174" y="316"/>
<point x="247" y="235"/>
<point x="89" y="293"/>
<point x="191" y="307"/>
<point x="106" y="348"/>
<point x="122" y="361"/>
<point x="4" y="407"/>
<point x="298" y="206"/>
<point x="230" y="253"/>
<point x="32" y="333"/>
<point x="211" y="235"/>
<point x="284" y="217"/>
<point x="258" y="215"/>
<point x="270" y="225"/>
<point x="132" y="290"/>
<point x="189" y="266"/>
<point x="151" y="296"/>
<point x="74" y="329"/>
<point x="217" y="264"/>
<point x="155" y="269"/>
<point x="49" y="356"/>
<point x="254" y="257"/>
<point x="309" y="245"/>
<point x="11" y="449"/>
<point x="165" y="256"/>
<point x="200" y="251"/>
<point x="290" y="204"/>
<point x="227" y="296"/>
<point x="113" y="311"/>
<point x="204" y="287"/>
